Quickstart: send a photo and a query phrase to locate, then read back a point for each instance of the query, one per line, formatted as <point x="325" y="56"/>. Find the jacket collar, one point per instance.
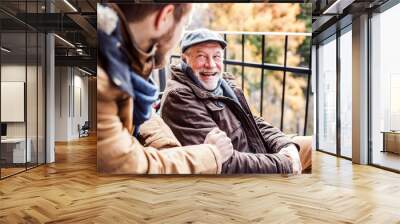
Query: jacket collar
<point x="141" y="62"/>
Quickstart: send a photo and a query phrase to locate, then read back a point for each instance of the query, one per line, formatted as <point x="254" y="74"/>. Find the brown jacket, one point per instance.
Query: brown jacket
<point x="192" y="112"/>
<point x="119" y="152"/>
<point x="159" y="152"/>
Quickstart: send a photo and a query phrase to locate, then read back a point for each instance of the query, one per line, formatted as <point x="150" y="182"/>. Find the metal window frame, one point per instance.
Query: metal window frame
<point x="340" y="31"/>
<point x="332" y="37"/>
<point x="323" y="37"/>
<point x="332" y="33"/>
<point x="381" y="9"/>
<point x="338" y="95"/>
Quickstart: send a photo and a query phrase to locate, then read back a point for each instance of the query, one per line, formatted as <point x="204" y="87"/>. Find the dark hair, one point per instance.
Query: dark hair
<point x="137" y="11"/>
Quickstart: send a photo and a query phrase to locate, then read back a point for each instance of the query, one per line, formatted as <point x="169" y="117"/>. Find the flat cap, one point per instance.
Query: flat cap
<point x="200" y="36"/>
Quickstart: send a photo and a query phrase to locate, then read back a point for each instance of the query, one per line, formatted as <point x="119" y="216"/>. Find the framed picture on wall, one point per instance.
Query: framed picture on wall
<point x="12" y="101"/>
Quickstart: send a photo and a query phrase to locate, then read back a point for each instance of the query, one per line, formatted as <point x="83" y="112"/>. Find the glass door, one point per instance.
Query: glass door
<point x="327" y="95"/>
<point x="385" y="89"/>
<point x="346" y="92"/>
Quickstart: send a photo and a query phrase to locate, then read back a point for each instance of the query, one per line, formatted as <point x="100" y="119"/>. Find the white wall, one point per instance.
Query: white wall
<point x="61" y="103"/>
<point x="80" y="102"/>
<point x="71" y="94"/>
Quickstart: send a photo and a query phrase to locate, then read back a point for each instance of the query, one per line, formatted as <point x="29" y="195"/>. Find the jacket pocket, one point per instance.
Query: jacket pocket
<point x="224" y="118"/>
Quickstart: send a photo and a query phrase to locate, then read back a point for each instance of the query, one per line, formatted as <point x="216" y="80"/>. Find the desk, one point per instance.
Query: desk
<point x="13" y="150"/>
<point x="391" y="141"/>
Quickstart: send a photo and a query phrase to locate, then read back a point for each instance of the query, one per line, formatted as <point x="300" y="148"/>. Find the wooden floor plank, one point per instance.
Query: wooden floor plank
<point x="70" y="191"/>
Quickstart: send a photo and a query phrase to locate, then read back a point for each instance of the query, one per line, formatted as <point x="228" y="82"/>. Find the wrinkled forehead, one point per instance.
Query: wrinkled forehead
<point x="206" y="47"/>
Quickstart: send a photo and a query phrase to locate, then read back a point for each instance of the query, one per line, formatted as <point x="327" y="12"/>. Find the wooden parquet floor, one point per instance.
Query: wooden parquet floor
<point x="70" y="191"/>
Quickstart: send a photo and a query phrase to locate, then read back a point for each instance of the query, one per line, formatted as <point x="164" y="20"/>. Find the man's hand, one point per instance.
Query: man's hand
<point x="223" y="144"/>
<point x="293" y="155"/>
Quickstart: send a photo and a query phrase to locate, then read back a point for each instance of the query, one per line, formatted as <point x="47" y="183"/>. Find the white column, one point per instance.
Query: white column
<point x="360" y="90"/>
<point x="50" y="92"/>
<point x="50" y="99"/>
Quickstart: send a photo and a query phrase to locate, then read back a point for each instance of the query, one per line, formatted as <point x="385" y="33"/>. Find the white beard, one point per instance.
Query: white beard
<point x="211" y="84"/>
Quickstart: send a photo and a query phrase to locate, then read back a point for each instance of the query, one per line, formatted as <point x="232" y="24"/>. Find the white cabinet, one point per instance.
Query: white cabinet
<point x="15" y="148"/>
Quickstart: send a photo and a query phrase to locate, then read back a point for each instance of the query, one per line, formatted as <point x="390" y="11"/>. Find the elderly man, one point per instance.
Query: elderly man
<point x="133" y="40"/>
<point x="197" y="99"/>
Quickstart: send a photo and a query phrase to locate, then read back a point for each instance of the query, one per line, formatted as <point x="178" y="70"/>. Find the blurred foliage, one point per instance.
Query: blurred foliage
<point x="304" y="49"/>
<point x="264" y="17"/>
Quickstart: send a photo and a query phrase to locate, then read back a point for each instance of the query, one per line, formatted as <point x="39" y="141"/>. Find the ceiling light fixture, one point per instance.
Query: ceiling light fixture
<point x="64" y="40"/>
<point x="84" y="71"/>
<point x="337" y="7"/>
<point x="70" y="5"/>
<point x="5" y="50"/>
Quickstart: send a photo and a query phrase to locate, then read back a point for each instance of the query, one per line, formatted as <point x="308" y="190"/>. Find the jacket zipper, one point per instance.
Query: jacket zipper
<point x="248" y="117"/>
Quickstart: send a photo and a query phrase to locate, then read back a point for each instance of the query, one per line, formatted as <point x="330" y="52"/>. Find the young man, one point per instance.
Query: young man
<point x="133" y="40"/>
<point x="197" y="99"/>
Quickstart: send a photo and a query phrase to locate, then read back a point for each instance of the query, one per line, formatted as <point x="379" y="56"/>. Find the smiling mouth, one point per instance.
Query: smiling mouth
<point x="208" y="73"/>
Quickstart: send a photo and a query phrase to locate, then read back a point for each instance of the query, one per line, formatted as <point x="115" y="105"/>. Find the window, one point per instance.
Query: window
<point x="327" y="95"/>
<point x="385" y="89"/>
<point x="346" y="93"/>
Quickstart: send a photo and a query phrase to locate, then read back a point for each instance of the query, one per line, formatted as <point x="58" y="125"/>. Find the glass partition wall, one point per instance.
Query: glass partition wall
<point x="334" y="98"/>
<point x="22" y="77"/>
<point x="334" y="86"/>
<point x="385" y="89"/>
<point x="346" y="72"/>
<point x="13" y="110"/>
<point x="327" y="95"/>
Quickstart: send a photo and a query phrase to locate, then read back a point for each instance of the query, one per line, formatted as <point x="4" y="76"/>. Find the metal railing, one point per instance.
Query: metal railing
<point x="264" y="66"/>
